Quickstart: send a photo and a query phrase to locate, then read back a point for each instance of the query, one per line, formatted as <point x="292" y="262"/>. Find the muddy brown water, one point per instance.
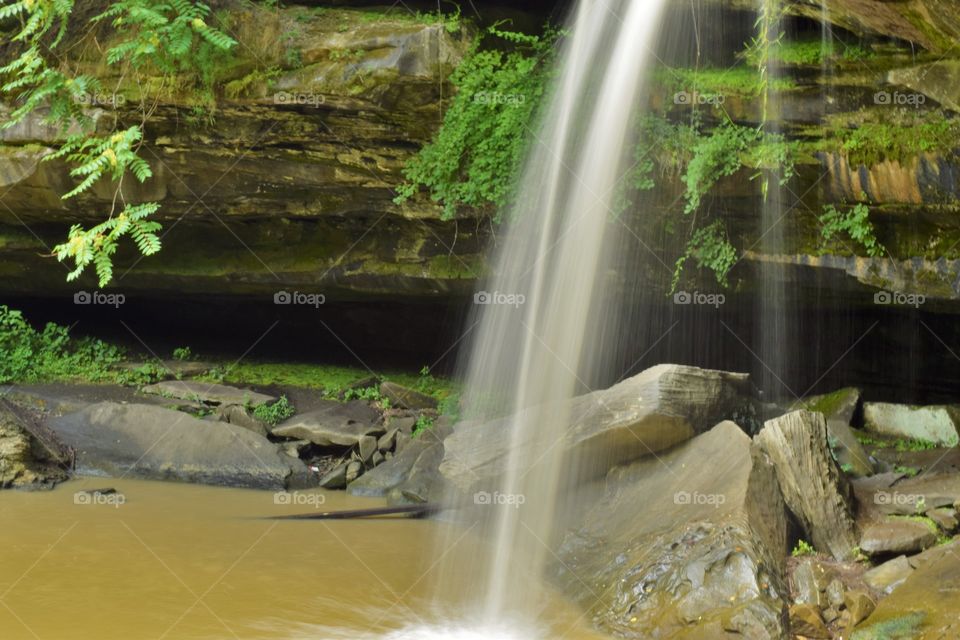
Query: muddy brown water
<point x="167" y="560"/>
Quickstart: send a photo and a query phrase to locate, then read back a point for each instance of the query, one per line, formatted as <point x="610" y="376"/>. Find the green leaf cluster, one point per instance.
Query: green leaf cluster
<point x="475" y="157"/>
<point x="31" y="355"/>
<point x="853" y="223"/>
<point x="169" y="36"/>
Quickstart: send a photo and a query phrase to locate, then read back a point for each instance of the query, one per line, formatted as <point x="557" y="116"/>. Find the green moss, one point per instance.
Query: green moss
<point x="868" y="143"/>
<point x="904" y="627"/>
<point x="739" y="81"/>
<point x="813" y="52"/>
<point x="900" y="444"/>
<point x="827" y="404"/>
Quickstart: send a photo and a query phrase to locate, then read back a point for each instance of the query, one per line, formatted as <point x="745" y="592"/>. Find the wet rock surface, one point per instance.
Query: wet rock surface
<point x="711" y="559"/>
<point x="145" y="441"/>
<point x="647" y="413"/>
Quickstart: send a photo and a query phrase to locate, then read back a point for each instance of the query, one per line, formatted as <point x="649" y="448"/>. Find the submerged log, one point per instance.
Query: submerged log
<point x="409" y="510"/>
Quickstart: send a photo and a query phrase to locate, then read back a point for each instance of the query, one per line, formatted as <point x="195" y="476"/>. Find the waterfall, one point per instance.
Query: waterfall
<point x="541" y="310"/>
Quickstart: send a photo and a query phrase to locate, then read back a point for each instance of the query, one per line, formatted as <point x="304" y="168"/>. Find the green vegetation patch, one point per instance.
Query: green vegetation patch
<point x="475" y="158"/>
<point x="734" y="81"/>
<point x="331" y="379"/>
<point x="51" y="354"/>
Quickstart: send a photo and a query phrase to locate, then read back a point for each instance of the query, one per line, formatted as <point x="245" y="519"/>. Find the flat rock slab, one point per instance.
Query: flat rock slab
<point x="639" y="416"/>
<point x="691" y="542"/>
<point x="146" y="441"/>
<point x="934" y="423"/>
<point x="897" y="536"/>
<point x="334" y="423"/>
<point x="208" y="393"/>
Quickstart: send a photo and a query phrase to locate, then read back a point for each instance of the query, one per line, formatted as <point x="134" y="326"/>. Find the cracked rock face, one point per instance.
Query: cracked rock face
<point x="708" y="563"/>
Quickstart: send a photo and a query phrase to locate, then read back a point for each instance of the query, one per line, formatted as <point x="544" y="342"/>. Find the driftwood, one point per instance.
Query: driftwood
<point x="409" y="510"/>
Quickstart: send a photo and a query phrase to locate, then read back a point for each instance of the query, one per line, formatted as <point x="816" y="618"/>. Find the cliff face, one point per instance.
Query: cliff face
<point x="287" y="181"/>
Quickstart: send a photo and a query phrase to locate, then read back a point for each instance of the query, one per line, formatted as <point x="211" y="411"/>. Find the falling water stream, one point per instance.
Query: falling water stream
<point x="534" y="344"/>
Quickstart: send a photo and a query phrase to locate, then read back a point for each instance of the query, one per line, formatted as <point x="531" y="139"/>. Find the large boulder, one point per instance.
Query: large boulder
<point x="332" y="423"/>
<point x="147" y="441"/>
<point x="814" y="488"/>
<point x="645" y="414"/>
<point x="690" y="542"/>
<point x="934" y="423"/>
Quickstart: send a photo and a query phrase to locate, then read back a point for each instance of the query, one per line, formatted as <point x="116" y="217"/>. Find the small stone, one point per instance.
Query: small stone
<point x="336" y="478"/>
<point x="377" y="458"/>
<point x="353" y="470"/>
<point x="366" y="448"/>
<point x="402" y="441"/>
<point x="889" y="575"/>
<point x="388" y="440"/>
<point x="830" y="614"/>
<point x="403" y="424"/>
<point x="388" y="455"/>
<point x="945" y="518"/>
<point x="896" y="536"/>
<point x="859" y="606"/>
<point x="804" y="582"/>
<point x="805" y="620"/>
<point x="835" y="593"/>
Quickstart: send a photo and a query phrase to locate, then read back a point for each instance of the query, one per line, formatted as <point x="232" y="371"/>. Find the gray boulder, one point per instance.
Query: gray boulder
<point x="380" y="480"/>
<point x="333" y="423"/>
<point x="691" y="542"/>
<point x="146" y="441"/>
<point x="934" y="423"/>
<point x="647" y="413"/>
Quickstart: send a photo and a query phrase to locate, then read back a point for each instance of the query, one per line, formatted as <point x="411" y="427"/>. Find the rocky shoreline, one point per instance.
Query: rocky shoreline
<point x="865" y="494"/>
